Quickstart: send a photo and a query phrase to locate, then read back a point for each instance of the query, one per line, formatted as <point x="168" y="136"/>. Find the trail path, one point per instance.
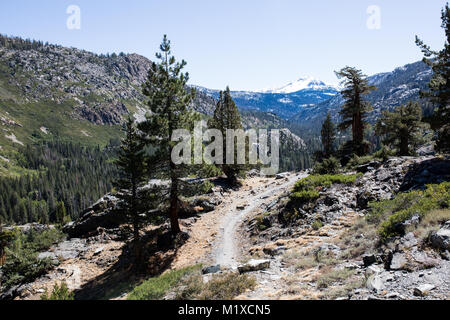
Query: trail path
<point x="213" y="236"/>
<point x="228" y="244"/>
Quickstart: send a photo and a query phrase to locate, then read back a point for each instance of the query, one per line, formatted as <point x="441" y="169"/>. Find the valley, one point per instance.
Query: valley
<point x="112" y="188"/>
<point x="339" y="259"/>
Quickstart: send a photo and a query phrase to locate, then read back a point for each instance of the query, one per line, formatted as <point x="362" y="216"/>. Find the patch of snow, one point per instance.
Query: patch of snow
<point x="285" y="100"/>
<point x="301" y="84"/>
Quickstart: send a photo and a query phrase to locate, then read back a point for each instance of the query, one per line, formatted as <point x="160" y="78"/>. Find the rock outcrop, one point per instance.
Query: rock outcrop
<point x="99" y="215"/>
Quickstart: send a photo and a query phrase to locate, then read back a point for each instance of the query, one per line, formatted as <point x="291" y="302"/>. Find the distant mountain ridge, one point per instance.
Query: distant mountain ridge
<point x="284" y="105"/>
<point x="303" y="83"/>
<point x="393" y="89"/>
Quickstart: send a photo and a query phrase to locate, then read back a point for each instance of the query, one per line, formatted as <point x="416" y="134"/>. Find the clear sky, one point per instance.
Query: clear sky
<point x="247" y="44"/>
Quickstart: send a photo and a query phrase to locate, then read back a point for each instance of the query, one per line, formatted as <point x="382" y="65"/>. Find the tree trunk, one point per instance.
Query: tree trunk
<point x="404" y="149"/>
<point x="2" y="256"/>
<point x="137" y="248"/>
<point x="173" y="211"/>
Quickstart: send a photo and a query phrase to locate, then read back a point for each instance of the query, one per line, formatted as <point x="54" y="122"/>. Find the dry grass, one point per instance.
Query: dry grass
<point x="330" y="276"/>
<point x="432" y="221"/>
<point x="219" y="287"/>
<point x="342" y="291"/>
<point x="359" y="239"/>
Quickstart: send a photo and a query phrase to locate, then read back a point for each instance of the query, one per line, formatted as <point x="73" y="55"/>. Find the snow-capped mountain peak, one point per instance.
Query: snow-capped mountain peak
<point x="303" y="83"/>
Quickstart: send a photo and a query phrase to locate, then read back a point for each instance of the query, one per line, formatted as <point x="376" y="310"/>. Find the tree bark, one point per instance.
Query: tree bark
<point x="173" y="211"/>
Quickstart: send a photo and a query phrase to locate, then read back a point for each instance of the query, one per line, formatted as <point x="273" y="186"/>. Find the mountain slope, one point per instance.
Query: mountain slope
<point x="48" y="90"/>
<point x="394" y="88"/>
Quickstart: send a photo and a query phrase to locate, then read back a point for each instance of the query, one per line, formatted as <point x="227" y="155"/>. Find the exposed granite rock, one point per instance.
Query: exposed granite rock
<point x="441" y="239"/>
<point x="430" y="171"/>
<point x="254" y="265"/>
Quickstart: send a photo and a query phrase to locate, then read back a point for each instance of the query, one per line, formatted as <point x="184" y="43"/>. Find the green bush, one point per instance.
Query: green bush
<point x="326" y="180"/>
<point x="381" y="155"/>
<point x="317" y="224"/>
<point x="307" y="189"/>
<point x="22" y="264"/>
<point x="155" y="288"/>
<point x="384" y="153"/>
<point x="260" y="221"/>
<point x="59" y="293"/>
<point x="206" y="187"/>
<point x="304" y="196"/>
<point x="327" y="166"/>
<point x="388" y="214"/>
<point x="357" y="161"/>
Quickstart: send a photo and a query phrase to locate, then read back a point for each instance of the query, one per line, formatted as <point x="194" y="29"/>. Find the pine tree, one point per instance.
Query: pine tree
<point x="6" y="237"/>
<point x="403" y="128"/>
<point x="61" y="213"/>
<point x="168" y="100"/>
<point x="355" y="108"/>
<point x="227" y="116"/>
<point x="135" y="201"/>
<point x="328" y="133"/>
<point x="439" y="86"/>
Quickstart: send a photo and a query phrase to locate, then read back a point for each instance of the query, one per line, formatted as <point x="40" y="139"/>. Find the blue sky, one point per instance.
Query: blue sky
<point x="247" y="44"/>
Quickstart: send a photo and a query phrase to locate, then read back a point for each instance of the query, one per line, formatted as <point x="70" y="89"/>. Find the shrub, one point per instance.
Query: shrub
<point x="327" y="166"/>
<point x="317" y="225"/>
<point x="59" y="293"/>
<point x="304" y="196"/>
<point x="326" y="180"/>
<point x="384" y="153"/>
<point x="206" y="187"/>
<point x="22" y="264"/>
<point x="389" y="214"/>
<point x="261" y="221"/>
<point x="155" y="288"/>
<point x="307" y="189"/>
<point x="357" y="161"/>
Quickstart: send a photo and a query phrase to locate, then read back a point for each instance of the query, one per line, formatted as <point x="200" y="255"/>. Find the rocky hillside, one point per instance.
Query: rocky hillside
<point x="377" y="231"/>
<point x="52" y="92"/>
<point x="99" y="88"/>
<point x="372" y="235"/>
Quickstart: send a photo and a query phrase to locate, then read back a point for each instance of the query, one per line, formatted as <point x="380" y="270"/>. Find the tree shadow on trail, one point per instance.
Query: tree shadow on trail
<point x="225" y="183"/>
<point x="124" y="275"/>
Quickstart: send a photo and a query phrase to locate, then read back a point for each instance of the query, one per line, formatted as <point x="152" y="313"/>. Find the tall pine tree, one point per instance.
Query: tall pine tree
<point x="355" y="108"/>
<point x="439" y="93"/>
<point x="168" y="100"/>
<point x="227" y="116"/>
<point x="328" y="134"/>
<point x="135" y="200"/>
<point x="403" y="128"/>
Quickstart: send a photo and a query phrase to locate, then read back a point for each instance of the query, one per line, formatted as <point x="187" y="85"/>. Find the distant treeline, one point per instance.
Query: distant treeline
<point x="69" y="177"/>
